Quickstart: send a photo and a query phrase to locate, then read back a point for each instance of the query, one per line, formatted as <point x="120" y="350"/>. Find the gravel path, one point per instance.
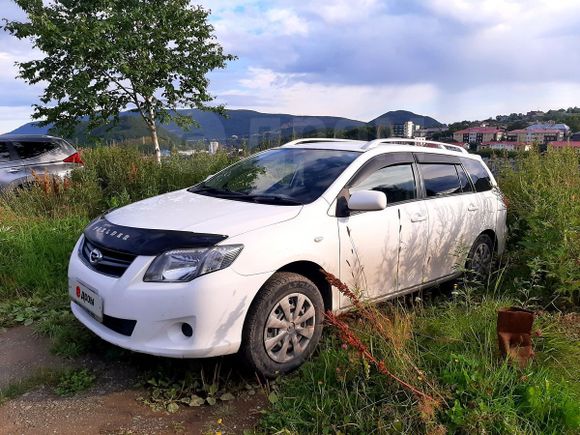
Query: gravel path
<point x="111" y="406"/>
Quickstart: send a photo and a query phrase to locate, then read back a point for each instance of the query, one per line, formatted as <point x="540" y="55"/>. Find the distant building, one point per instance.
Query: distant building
<point x="407" y="129"/>
<point x="535" y="135"/>
<point x="505" y="145"/>
<point x="477" y="135"/>
<point x="547" y="126"/>
<point x="213" y="147"/>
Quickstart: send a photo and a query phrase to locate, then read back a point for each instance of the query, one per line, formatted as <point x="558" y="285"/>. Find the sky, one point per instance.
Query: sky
<point x="449" y="59"/>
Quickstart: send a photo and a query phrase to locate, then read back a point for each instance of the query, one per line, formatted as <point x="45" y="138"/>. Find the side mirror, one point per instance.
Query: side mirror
<point x="208" y="177"/>
<point x="367" y="200"/>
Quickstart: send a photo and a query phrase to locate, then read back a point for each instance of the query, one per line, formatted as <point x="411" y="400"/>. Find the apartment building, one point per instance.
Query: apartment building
<point x="478" y="135"/>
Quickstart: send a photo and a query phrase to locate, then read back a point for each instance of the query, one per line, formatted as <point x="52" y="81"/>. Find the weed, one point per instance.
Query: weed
<point x="171" y="386"/>
<point x="543" y="192"/>
<point x="41" y="377"/>
<point x="72" y="382"/>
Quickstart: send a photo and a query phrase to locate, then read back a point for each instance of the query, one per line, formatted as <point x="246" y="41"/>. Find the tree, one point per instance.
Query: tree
<point x="104" y="56"/>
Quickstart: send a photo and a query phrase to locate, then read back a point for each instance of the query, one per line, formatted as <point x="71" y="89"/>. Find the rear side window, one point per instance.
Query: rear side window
<point x="28" y="150"/>
<point x="478" y="174"/>
<point x="4" y="152"/>
<point x="397" y="182"/>
<point x="440" y="179"/>
<point x="463" y="179"/>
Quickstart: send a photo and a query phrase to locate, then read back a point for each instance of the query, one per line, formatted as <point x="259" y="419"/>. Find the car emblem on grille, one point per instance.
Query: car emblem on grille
<point x="95" y="256"/>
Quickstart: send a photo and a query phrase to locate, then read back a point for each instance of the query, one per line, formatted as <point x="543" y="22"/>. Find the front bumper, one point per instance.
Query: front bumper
<point x="214" y="305"/>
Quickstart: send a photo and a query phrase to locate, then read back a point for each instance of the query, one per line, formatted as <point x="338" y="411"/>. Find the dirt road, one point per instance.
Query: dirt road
<point x="110" y="406"/>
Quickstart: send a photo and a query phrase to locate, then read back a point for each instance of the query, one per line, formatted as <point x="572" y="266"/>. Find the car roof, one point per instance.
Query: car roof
<point x="385" y="145"/>
<point x="28" y="137"/>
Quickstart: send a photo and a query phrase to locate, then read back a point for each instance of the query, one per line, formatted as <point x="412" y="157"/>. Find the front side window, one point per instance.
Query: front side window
<point x="28" y="150"/>
<point x="283" y="176"/>
<point x="479" y="176"/>
<point x="4" y="152"/>
<point x="440" y="179"/>
<point x="397" y="182"/>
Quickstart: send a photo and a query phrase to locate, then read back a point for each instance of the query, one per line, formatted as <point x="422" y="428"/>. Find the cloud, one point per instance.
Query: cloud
<point x="290" y="94"/>
<point x="452" y="59"/>
<point x="288" y="22"/>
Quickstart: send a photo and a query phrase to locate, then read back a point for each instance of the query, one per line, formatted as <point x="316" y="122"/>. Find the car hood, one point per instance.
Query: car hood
<point x="187" y="211"/>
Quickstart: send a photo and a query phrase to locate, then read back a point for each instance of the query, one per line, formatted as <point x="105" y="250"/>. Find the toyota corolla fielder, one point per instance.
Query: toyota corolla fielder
<point x="237" y="263"/>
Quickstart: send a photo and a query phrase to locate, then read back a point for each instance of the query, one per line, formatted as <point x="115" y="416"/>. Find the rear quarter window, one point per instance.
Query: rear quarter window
<point x="28" y="149"/>
<point x="479" y="175"/>
<point x="4" y="152"/>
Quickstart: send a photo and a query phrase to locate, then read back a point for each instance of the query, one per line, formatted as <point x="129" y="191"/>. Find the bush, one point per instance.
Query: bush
<point x="543" y="193"/>
<point x="40" y="224"/>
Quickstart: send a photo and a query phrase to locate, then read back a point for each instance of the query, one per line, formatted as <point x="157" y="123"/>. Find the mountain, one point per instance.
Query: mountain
<point x="401" y="116"/>
<point x="129" y="127"/>
<point x="31" y="128"/>
<point x="246" y="123"/>
<point x="240" y="123"/>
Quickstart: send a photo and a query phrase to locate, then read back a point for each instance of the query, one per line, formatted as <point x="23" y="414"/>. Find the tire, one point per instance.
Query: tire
<point x="480" y="259"/>
<point x="269" y="339"/>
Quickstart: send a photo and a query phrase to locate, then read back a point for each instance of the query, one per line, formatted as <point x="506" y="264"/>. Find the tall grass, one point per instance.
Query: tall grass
<point x="543" y="192"/>
<point x="450" y="353"/>
<point x="40" y="224"/>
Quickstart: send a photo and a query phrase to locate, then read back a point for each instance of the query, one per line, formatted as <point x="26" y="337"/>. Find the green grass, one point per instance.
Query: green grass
<point x="48" y="377"/>
<point x="543" y="193"/>
<point x="72" y="382"/>
<point x="455" y="351"/>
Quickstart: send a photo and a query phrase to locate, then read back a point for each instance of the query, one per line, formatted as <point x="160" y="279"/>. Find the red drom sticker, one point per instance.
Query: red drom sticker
<point x="78" y="291"/>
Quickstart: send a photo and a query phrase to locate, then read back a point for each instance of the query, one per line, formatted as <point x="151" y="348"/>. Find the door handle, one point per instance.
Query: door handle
<point x="418" y="217"/>
<point x="13" y="170"/>
<point x="472" y="207"/>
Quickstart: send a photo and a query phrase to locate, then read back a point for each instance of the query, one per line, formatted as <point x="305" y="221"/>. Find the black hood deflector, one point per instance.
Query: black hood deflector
<point x="144" y="241"/>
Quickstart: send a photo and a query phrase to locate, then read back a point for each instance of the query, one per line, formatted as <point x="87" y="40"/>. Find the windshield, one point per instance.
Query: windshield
<point x="283" y="176"/>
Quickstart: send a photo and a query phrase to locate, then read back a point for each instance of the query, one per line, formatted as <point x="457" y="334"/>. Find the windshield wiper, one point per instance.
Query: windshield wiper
<point x="274" y="199"/>
<point x="258" y="198"/>
<point x="215" y="191"/>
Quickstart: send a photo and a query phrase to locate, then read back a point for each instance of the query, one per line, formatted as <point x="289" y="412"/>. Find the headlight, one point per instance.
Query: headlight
<point x="183" y="265"/>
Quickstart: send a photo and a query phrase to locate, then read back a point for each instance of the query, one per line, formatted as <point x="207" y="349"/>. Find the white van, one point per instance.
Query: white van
<point x="236" y="263"/>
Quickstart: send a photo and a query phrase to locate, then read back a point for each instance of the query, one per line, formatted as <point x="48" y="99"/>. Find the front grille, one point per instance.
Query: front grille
<point x="112" y="263"/>
<point x="120" y="326"/>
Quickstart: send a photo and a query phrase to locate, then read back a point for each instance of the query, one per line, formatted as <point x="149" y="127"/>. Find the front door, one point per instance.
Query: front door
<point x="370" y="242"/>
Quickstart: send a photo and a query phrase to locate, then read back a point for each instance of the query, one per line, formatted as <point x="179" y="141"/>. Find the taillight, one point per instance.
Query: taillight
<point x="74" y="158"/>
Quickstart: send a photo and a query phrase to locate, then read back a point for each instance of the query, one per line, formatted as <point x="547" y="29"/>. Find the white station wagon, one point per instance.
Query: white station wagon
<point x="236" y="263"/>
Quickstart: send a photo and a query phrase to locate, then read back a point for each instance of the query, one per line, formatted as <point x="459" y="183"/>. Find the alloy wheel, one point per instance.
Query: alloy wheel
<point x="289" y="327"/>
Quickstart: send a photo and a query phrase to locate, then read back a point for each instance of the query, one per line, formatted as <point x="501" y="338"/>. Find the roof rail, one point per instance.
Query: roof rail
<point x="317" y="139"/>
<point x="417" y="142"/>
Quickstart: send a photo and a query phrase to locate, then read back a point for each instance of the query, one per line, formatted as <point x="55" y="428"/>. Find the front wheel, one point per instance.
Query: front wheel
<point x="283" y="326"/>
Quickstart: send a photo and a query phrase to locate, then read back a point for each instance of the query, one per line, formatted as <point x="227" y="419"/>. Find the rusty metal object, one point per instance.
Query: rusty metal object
<point x="514" y="334"/>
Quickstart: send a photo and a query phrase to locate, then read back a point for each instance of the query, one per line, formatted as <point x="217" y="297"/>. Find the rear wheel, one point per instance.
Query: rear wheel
<point x="480" y="258"/>
<point x="283" y="326"/>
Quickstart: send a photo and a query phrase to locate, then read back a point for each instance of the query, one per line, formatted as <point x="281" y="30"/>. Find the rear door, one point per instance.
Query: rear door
<point x="370" y="242"/>
<point x="451" y="214"/>
<point x="485" y="198"/>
